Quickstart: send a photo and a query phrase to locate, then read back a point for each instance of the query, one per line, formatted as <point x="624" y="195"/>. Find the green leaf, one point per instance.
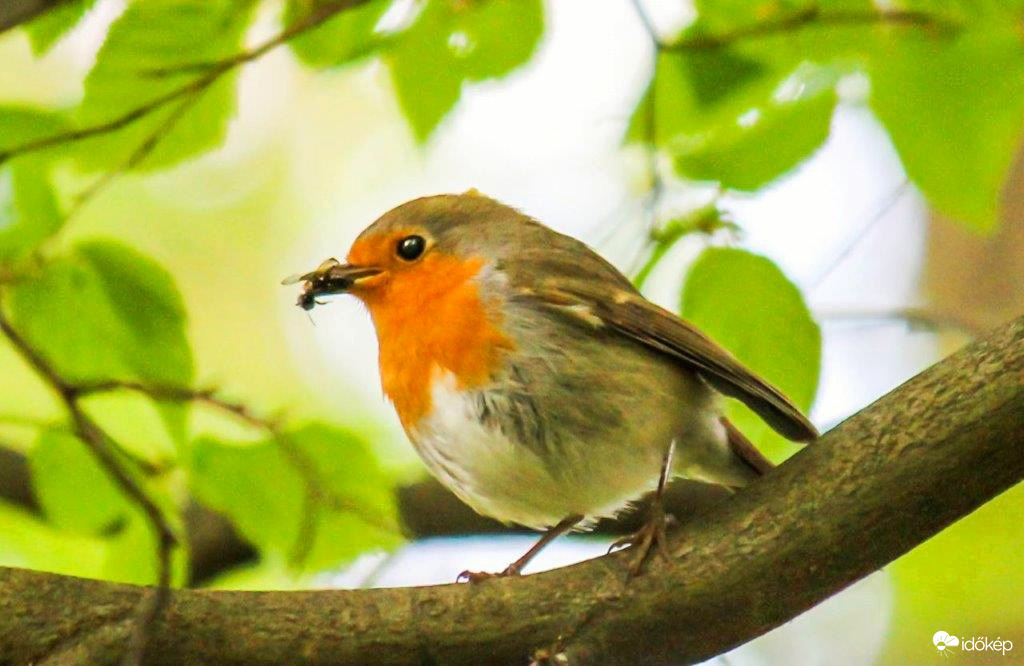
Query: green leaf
<point x="695" y="92"/>
<point x="146" y="429"/>
<point x="30" y="543"/>
<point x="259" y="488"/>
<point x="747" y="305"/>
<point x="451" y="43"/>
<point x="127" y="556"/>
<point x="29" y="213"/>
<point x="22" y="124"/>
<point x="734" y="118"/>
<point x="955" y="112"/>
<point x="105" y="312"/>
<point x="761" y="145"/>
<point x="28" y="207"/>
<point x="155" y="48"/>
<point x="46" y="29"/>
<point x="78" y="497"/>
<point x="74" y="492"/>
<point x="345" y="37"/>
<point x="131" y="555"/>
<point x="715" y="75"/>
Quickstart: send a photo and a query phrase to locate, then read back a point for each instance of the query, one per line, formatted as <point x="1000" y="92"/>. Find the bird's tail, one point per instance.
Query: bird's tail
<point x="745" y="451"/>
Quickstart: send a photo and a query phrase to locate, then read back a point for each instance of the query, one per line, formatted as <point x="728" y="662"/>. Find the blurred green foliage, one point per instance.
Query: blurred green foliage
<point x="744" y="302"/>
<point x="47" y="29"/>
<point x="154" y="50"/>
<point x="740" y="97"/>
<point x="746" y="92"/>
<point x="342" y="39"/>
<point x="273" y="505"/>
<point x="450" y="43"/>
<point x="19" y="125"/>
<point x="62" y="470"/>
<point x="29" y="208"/>
<point x="112" y="294"/>
<point x="954" y="113"/>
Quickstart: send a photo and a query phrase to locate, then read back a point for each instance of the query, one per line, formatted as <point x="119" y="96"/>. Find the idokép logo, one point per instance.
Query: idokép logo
<point x="947" y="644"/>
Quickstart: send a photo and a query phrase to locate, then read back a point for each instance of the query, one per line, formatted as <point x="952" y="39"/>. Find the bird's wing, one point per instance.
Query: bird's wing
<point x="630" y="314"/>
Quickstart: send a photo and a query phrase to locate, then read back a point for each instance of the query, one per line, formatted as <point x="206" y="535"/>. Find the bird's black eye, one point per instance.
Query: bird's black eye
<point x="411" y="247"/>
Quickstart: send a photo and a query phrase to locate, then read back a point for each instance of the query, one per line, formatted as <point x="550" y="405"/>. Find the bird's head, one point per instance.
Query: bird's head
<point x="421" y="250"/>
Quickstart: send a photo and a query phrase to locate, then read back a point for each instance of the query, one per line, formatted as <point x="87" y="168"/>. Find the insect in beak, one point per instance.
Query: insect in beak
<point x="330" y="277"/>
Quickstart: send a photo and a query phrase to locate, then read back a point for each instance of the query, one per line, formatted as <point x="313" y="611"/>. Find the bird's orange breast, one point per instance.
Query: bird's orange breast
<point x="433" y="320"/>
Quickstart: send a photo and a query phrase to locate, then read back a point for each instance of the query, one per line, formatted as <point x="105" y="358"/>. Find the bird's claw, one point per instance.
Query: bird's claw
<point x="650" y="535"/>
<point x="473" y="577"/>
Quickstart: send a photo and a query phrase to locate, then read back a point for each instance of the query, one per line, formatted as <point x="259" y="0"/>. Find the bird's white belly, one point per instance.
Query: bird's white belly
<point x="509" y="481"/>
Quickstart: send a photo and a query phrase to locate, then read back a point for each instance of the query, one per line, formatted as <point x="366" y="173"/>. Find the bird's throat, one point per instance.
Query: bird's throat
<point x="433" y="323"/>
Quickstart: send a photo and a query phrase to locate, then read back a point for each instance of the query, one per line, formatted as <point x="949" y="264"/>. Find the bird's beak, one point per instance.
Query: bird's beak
<point x="330" y="277"/>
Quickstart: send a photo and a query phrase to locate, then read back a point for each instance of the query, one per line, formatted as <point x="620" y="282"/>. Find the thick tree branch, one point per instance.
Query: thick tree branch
<point x="882" y="482"/>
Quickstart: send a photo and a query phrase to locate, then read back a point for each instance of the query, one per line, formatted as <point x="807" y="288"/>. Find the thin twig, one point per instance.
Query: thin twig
<point x="815" y="17"/>
<point x="106" y="453"/>
<point x="318" y="489"/>
<point x="655" y="182"/>
<point x="306" y="536"/>
<point x="707" y="220"/>
<point x="911" y="316"/>
<point x="854" y="242"/>
<point x="372" y="577"/>
<point x="166" y="393"/>
<point x="147" y="467"/>
<point x="648" y="24"/>
<point x="196" y="85"/>
<point x="141" y="152"/>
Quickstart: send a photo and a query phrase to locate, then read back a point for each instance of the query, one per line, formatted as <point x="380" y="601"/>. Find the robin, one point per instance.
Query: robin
<point x="534" y="380"/>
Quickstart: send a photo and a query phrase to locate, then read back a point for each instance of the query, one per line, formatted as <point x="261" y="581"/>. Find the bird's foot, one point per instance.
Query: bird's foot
<point x="650" y="535"/>
<point x="472" y="577"/>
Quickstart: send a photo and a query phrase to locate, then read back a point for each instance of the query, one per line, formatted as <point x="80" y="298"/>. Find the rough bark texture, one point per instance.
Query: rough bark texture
<point x="888" y="478"/>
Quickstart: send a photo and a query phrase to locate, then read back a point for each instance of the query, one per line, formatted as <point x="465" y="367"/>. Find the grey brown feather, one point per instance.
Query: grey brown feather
<point x="632" y="315"/>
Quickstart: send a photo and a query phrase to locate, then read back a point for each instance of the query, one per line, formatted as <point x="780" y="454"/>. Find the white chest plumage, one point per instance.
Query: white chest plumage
<point x="509" y="481"/>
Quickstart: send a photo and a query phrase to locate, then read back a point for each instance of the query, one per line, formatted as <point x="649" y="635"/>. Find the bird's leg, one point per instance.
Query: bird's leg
<point x="516" y="567"/>
<point x="652" y="532"/>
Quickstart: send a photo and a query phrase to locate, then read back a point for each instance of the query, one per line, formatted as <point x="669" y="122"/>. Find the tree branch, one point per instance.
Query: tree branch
<point x="914" y="317"/>
<point x="107" y="454"/>
<point x="318" y="490"/>
<point x="814" y="16"/>
<point x="882" y="482"/>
